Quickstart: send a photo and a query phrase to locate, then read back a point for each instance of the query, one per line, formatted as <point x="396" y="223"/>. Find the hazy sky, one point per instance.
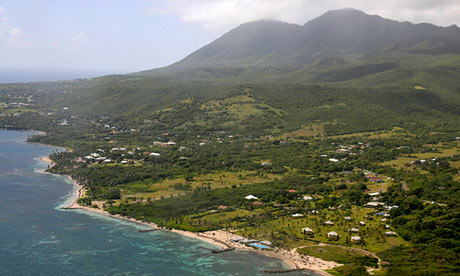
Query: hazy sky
<point x="133" y="35"/>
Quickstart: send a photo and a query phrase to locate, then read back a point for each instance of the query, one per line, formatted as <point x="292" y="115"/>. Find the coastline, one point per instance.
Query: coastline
<point x="221" y="238"/>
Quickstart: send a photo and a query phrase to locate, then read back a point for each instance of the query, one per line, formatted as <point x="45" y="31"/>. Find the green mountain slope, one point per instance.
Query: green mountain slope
<point x="345" y="70"/>
<point x="346" y="33"/>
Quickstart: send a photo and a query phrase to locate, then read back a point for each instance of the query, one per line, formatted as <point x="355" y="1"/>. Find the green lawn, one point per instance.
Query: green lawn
<point x="338" y="254"/>
<point x="288" y="230"/>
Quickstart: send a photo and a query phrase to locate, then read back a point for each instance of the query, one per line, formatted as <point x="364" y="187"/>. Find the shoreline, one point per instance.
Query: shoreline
<point x="219" y="238"/>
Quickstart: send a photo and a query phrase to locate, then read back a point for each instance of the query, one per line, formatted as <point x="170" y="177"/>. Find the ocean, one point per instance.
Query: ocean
<point x="38" y="238"/>
<point x="14" y="75"/>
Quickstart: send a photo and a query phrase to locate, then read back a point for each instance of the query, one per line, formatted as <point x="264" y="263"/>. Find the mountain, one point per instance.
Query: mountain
<point x="342" y="72"/>
<point x="346" y="33"/>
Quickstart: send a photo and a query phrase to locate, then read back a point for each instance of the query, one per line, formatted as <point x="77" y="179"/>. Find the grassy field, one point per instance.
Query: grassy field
<point x="376" y="187"/>
<point x="395" y="132"/>
<point x="336" y="253"/>
<point x="399" y="162"/>
<point x="232" y="218"/>
<point x="288" y="230"/>
<point x="312" y="130"/>
<point x="440" y="151"/>
<point x="167" y="187"/>
<point x="239" y="107"/>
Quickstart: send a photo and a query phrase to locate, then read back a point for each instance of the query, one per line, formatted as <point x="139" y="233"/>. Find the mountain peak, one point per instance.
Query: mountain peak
<point x="345" y="33"/>
<point x="346" y="15"/>
<point x="347" y="10"/>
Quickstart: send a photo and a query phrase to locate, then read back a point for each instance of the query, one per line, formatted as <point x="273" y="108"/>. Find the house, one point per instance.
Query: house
<point x="251" y="197"/>
<point x="374" y="194"/>
<point x="267" y="243"/>
<point x="165" y="145"/>
<point x="376" y="180"/>
<point x="333" y="160"/>
<point x="307" y="230"/>
<point x="362" y="223"/>
<point x="390" y="234"/>
<point x="307" y="198"/>
<point x="222" y="207"/>
<point x="387" y="226"/>
<point x="374" y="204"/>
<point x="391" y="207"/>
<point x="297" y="215"/>
<point x="354" y="230"/>
<point x="380" y="214"/>
<point x="329" y="223"/>
<point x="124" y="162"/>
<point x="356" y="239"/>
<point x="347" y="218"/>
<point x="257" y="203"/>
<point x="155" y="154"/>
<point x="332" y="236"/>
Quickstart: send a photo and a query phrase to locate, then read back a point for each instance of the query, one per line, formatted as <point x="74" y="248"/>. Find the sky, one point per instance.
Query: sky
<point x="121" y="36"/>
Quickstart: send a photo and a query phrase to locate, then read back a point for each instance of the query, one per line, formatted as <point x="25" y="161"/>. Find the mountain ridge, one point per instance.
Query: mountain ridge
<point x="345" y="33"/>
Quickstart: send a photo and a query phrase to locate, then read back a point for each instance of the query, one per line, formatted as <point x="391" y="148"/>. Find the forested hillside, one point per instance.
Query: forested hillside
<point x="338" y="120"/>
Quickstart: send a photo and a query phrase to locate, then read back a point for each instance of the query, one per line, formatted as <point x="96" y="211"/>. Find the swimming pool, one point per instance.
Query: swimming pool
<point x="259" y="245"/>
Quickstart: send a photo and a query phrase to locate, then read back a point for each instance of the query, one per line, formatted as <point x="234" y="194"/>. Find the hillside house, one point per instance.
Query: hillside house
<point x="307" y="230"/>
<point x="374" y="204"/>
<point x="356" y="239"/>
<point x="333" y="236"/>
<point x="390" y="234"/>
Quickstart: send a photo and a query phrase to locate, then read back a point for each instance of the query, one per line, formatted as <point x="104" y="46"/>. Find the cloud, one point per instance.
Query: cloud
<point x="14" y="35"/>
<point x="80" y="39"/>
<point x="216" y="14"/>
<point x="11" y="35"/>
<point x="154" y="10"/>
<point x="1" y="9"/>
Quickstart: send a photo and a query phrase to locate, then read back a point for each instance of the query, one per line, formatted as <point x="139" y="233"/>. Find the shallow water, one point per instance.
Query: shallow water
<point x="37" y="238"/>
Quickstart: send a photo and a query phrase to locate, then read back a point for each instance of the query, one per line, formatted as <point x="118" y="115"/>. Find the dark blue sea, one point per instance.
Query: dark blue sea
<point x="37" y="238"/>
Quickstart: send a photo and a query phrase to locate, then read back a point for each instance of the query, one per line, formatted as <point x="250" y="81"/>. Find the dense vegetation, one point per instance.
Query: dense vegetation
<point x="310" y="133"/>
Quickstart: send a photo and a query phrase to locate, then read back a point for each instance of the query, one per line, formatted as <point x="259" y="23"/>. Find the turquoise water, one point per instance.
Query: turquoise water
<point x="36" y="238"/>
<point x="259" y="245"/>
